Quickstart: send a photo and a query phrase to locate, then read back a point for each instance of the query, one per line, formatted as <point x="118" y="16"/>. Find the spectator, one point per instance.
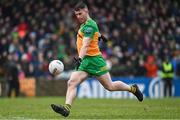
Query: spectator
<point x="12" y="77"/>
<point x="167" y="74"/>
<point x="151" y="67"/>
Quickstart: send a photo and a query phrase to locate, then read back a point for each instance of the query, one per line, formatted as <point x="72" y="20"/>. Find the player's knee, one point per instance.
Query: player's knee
<point x="71" y="83"/>
<point x="109" y="88"/>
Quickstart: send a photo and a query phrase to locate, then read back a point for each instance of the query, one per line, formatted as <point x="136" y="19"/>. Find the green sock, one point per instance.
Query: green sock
<point x="68" y="107"/>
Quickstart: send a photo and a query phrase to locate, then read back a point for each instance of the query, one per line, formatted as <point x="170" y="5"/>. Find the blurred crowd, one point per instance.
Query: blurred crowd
<point x="140" y="32"/>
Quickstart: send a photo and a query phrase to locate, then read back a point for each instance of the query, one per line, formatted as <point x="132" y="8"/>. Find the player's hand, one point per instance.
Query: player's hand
<point x="104" y="39"/>
<point x="77" y="62"/>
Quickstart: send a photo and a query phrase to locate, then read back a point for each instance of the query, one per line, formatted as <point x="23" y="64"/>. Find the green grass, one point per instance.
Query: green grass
<point x="39" y="108"/>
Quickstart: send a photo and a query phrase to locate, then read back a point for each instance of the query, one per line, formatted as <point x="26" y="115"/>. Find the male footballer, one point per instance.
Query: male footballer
<point x="90" y="62"/>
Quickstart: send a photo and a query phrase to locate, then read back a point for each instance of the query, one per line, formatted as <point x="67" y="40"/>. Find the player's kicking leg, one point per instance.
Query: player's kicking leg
<point x="75" y="79"/>
<point x="106" y="81"/>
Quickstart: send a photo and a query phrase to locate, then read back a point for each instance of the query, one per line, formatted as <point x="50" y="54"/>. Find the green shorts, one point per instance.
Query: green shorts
<point x="93" y="65"/>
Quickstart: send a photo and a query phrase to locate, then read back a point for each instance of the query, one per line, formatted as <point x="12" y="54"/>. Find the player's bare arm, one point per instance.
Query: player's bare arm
<point x="86" y="43"/>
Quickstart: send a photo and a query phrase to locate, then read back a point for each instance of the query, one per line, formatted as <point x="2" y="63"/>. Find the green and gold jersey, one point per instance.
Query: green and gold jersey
<point x="89" y="29"/>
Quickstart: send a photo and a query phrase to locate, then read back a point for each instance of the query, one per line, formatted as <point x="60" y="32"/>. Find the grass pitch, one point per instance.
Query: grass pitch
<point x="39" y="108"/>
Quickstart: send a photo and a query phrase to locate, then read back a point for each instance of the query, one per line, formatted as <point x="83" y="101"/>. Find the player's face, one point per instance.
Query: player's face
<point x="81" y="15"/>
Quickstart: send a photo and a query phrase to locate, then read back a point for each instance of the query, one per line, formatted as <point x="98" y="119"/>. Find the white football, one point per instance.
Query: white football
<point x="56" y="67"/>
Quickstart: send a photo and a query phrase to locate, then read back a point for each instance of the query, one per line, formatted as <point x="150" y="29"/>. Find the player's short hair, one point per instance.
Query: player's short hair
<point x="80" y="5"/>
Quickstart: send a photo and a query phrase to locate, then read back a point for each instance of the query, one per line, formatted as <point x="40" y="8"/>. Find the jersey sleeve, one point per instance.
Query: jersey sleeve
<point x="88" y="31"/>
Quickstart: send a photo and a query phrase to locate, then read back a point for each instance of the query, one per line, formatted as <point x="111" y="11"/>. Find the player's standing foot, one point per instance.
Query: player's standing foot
<point x="63" y="110"/>
<point x="135" y="90"/>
